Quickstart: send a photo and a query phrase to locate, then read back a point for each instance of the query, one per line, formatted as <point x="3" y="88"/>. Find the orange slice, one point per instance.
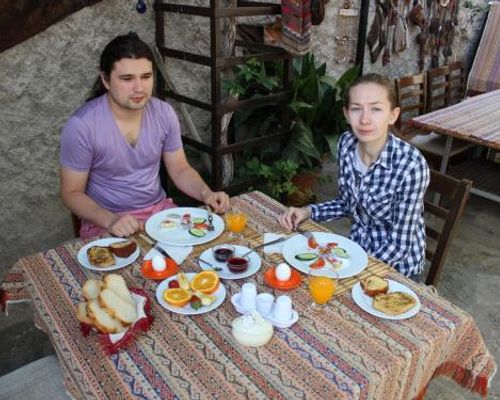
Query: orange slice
<point x="206" y="282"/>
<point x="177" y="297"/>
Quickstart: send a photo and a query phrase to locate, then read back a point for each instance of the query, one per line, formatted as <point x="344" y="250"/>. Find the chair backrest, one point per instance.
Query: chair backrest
<point x="410" y="93"/>
<point x="441" y="219"/>
<point x="458" y="82"/>
<point x="438" y="88"/>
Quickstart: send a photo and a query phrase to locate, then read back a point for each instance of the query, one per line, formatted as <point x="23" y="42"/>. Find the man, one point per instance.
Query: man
<point x="112" y="146"/>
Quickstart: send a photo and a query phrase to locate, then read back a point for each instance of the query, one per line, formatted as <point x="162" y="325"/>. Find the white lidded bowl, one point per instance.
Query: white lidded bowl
<point x="252" y="330"/>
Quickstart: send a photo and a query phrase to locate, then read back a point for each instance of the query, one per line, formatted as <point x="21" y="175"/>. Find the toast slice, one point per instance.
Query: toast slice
<point x="100" y="256"/>
<point x="91" y="289"/>
<point x="394" y="303"/>
<point x="117" y="284"/>
<point x="81" y="313"/>
<point x="102" y="320"/>
<point x="123" y="249"/>
<point x="116" y="307"/>
<point x="374" y="285"/>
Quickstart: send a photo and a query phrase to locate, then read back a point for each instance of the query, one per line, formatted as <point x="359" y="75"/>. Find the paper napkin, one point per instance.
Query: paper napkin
<point x="274" y="248"/>
<point x="178" y="253"/>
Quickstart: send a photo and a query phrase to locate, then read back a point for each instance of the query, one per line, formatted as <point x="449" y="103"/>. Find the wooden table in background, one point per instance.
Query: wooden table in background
<point x="477" y="120"/>
<point x="343" y="353"/>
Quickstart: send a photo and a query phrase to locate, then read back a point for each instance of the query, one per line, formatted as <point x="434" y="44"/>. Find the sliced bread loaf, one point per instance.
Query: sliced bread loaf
<point x="117" y="307"/>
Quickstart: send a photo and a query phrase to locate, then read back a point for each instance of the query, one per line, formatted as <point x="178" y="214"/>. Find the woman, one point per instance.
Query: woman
<point x="382" y="181"/>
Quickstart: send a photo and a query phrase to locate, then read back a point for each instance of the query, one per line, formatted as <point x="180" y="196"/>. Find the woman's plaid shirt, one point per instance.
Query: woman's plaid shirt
<point x="386" y="204"/>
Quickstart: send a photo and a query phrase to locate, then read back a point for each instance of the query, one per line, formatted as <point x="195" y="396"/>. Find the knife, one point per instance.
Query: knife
<point x="155" y="245"/>
<point x="281" y="239"/>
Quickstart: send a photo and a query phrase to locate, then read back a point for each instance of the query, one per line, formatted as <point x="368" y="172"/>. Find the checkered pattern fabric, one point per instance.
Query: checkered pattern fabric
<point x="385" y="204"/>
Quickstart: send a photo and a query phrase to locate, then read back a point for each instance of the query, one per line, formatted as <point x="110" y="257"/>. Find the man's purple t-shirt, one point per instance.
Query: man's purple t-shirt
<point x="121" y="177"/>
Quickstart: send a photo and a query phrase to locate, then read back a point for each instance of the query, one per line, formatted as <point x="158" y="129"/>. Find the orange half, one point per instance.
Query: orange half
<point x="206" y="282"/>
<point x="177" y="297"/>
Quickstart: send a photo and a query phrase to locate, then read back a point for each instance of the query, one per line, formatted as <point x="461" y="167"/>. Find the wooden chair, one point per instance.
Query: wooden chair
<point x="77" y="223"/>
<point x="438" y="88"/>
<point x="457" y="81"/>
<point x="441" y="219"/>
<point x="411" y="98"/>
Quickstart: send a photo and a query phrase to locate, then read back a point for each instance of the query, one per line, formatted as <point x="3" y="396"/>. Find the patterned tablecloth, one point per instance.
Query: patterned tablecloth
<point x="343" y="353"/>
<point x="476" y="119"/>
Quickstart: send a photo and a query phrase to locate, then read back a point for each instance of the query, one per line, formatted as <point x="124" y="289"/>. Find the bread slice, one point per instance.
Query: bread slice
<point x="117" y="307"/>
<point x="81" y="313"/>
<point x="91" y="289"/>
<point x="123" y="249"/>
<point x="100" y="256"/>
<point x="394" y="303"/>
<point x="374" y="285"/>
<point x="117" y="284"/>
<point x="101" y="319"/>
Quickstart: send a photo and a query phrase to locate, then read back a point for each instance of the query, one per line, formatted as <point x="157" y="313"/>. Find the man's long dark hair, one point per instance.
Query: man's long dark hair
<point x="124" y="46"/>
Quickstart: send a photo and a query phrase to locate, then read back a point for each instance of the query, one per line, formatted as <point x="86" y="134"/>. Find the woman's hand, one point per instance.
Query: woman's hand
<point x="125" y="226"/>
<point x="293" y="217"/>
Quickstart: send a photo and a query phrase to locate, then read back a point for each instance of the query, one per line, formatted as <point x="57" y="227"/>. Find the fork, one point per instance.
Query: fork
<point x="307" y="234"/>
<point x="210" y="218"/>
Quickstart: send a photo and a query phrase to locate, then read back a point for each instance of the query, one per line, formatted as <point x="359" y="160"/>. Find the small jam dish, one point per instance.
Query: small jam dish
<point x="238" y="264"/>
<point x="223" y="252"/>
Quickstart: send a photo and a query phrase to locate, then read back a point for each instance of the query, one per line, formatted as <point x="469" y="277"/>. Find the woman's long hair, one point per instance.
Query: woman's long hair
<point x="124" y="46"/>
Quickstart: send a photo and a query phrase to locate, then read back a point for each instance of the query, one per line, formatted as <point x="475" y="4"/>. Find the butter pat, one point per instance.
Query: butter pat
<point x="252" y="330"/>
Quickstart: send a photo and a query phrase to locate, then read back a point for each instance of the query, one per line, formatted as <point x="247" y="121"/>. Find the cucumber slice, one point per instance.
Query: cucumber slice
<point x="198" y="220"/>
<point x="197" y="232"/>
<point x="340" y="252"/>
<point x="306" y="256"/>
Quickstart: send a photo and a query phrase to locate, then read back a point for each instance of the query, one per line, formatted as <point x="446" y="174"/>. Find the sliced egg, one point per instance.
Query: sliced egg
<point x="283" y="272"/>
<point x="158" y="263"/>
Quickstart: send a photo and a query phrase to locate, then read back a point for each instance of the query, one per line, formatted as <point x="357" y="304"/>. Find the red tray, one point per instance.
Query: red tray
<point x="148" y="271"/>
<point x="271" y="280"/>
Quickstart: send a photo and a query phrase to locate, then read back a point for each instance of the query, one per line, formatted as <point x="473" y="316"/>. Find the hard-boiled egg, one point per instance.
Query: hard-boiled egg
<point x="158" y="263"/>
<point x="283" y="272"/>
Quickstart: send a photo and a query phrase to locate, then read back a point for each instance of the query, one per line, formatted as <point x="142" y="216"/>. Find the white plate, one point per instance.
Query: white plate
<point x="357" y="261"/>
<point x="179" y="236"/>
<point x="235" y="300"/>
<point x="220" y="293"/>
<point x="225" y="273"/>
<point x="120" y="262"/>
<point x="365" y="302"/>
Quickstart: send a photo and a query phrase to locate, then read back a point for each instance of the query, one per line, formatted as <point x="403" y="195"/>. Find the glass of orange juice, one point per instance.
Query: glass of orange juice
<point x="322" y="287"/>
<point x="236" y="222"/>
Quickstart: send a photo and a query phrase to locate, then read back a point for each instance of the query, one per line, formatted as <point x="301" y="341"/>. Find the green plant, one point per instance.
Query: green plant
<point x="277" y="176"/>
<point x="316" y="112"/>
<point x="251" y="75"/>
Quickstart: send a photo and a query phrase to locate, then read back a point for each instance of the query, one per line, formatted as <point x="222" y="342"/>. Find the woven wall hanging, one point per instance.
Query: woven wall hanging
<point x="347" y="32"/>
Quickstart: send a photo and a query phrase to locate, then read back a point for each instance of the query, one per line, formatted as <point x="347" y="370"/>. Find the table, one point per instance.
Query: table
<point x="477" y="120"/>
<point x="344" y="353"/>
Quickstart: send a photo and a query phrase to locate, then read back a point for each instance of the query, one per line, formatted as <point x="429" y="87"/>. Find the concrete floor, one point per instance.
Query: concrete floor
<point x="470" y="280"/>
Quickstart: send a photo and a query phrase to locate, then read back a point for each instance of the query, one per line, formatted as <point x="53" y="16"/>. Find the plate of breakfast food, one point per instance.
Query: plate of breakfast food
<point x="227" y="261"/>
<point x="327" y="252"/>
<point x="191" y="293"/>
<point x="183" y="226"/>
<point x="386" y="298"/>
<point x="108" y="254"/>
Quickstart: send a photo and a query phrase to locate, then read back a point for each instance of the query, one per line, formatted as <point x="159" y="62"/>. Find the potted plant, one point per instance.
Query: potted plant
<point x="317" y="121"/>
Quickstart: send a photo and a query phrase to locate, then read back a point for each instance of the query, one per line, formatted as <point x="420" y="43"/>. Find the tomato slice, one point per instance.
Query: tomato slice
<point x="317" y="264"/>
<point x="202" y="226"/>
<point x="332" y="245"/>
<point x="312" y="243"/>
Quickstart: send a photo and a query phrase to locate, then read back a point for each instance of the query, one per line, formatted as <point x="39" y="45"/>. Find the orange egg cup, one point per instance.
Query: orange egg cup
<point x="148" y="271"/>
<point x="271" y="280"/>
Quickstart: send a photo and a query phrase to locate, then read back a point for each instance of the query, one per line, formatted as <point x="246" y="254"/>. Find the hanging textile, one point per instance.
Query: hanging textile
<point x="347" y="32"/>
<point x="296" y="26"/>
<point x="485" y="72"/>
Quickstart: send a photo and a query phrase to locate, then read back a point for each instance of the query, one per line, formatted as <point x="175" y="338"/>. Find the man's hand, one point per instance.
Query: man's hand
<point x="293" y="217"/>
<point x="219" y="201"/>
<point x="125" y="226"/>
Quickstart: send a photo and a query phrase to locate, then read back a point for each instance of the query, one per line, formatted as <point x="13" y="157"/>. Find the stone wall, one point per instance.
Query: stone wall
<point x="45" y="78"/>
